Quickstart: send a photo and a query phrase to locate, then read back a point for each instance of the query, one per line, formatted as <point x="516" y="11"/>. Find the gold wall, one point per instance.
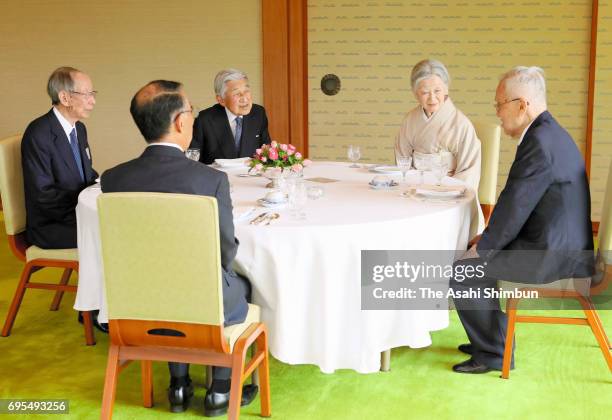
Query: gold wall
<point x="122" y="45"/>
<point x="373" y="45"/>
<point x="602" y="121"/>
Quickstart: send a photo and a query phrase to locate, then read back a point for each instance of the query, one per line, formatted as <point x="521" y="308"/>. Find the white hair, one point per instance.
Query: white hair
<point x="526" y="81"/>
<point x="225" y="76"/>
<point x="427" y="68"/>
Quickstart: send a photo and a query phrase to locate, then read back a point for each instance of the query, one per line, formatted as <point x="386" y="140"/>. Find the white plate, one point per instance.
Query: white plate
<point x="386" y="170"/>
<point x="268" y="204"/>
<point x="232" y="163"/>
<point x="434" y="191"/>
<point x="243" y="212"/>
<point x="393" y="184"/>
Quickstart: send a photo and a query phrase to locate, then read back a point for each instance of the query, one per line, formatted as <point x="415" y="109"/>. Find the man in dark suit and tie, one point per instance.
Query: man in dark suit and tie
<point x="235" y="126"/>
<point x="165" y="117"/>
<point x="56" y="161"/>
<point x="540" y="230"/>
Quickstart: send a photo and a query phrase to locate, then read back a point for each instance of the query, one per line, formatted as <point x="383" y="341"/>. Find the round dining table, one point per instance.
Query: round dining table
<point x="305" y="271"/>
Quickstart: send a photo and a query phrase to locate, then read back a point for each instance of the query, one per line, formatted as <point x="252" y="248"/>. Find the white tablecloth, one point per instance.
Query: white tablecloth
<point x="306" y="273"/>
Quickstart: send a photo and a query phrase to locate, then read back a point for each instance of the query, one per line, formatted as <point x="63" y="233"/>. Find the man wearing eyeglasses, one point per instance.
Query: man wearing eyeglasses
<point x="235" y="126"/>
<point x="164" y="116"/>
<point x="56" y="160"/>
<point x="540" y="230"/>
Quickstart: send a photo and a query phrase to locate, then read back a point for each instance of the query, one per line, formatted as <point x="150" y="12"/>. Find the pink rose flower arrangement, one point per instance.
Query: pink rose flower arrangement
<point x="278" y="156"/>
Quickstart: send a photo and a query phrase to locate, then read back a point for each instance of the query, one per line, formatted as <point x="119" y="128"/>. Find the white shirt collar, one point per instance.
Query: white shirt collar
<point x="164" y="143"/>
<point x="63" y="122"/>
<point x="525" y="131"/>
<point x="230" y="116"/>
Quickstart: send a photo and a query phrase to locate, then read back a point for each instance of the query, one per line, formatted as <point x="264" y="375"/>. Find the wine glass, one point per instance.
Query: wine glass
<point x="193" y="154"/>
<point x="354" y="153"/>
<point x="422" y="163"/>
<point x="298" y="196"/>
<point x="439" y="168"/>
<point x="404" y="163"/>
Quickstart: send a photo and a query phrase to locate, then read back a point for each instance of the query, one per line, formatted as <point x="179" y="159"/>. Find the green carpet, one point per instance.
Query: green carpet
<point x="560" y="373"/>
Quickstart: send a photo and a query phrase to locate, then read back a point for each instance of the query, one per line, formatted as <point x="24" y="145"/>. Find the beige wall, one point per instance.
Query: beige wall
<point x="601" y="158"/>
<point x="372" y="46"/>
<point x="122" y="45"/>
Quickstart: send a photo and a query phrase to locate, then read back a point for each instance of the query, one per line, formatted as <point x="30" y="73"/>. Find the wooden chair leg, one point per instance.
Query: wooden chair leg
<point x="597" y="328"/>
<point x="385" y="361"/>
<point x="110" y="382"/>
<point x="17" y="298"/>
<point x="209" y="376"/>
<point x="57" y="299"/>
<point x="255" y="374"/>
<point x="600" y="325"/>
<point x="511" y="312"/>
<point x="147" y="383"/>
<point x="90" y="339"/>
<point x="238" y="357"/>
<point x="264" y="375"/>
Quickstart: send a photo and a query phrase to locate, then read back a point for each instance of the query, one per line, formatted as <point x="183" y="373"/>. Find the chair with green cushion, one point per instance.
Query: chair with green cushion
<point x="489" y="135"/>
<point x="162" y="271"/>
<point x="35" y="258"/>
<point x="583" y="290"/>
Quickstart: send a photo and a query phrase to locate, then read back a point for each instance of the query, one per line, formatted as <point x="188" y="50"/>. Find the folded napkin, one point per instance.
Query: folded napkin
<point x="243" y="212"/>
<point x="230" y="163"/>
<point x="443" y="191"/>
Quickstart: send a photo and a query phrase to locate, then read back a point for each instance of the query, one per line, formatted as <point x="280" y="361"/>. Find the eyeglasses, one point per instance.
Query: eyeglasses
<point x="498" y="105"/>
<point x="193" y="110"/>
<point x="87" y="95"/>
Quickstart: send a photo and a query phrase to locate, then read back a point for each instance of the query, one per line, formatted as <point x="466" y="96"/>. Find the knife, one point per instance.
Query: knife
<point x="259" y="218"/>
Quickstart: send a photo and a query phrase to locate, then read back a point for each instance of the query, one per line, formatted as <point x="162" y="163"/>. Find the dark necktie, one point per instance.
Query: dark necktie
<point x="74" y="145"/>
<point x="238" y="133"/>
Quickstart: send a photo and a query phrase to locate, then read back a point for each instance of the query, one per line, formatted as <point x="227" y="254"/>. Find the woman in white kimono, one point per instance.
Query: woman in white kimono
<point x="436" y="127"/>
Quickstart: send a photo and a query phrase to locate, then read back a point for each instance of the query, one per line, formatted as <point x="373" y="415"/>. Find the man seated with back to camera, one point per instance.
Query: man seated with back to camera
<point x="164" y="116"/>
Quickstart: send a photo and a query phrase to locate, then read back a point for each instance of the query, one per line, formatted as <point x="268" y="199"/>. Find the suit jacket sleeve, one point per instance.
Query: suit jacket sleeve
<point x="89" y="159"/>
<point x="39" y="179"/>
<point x="229" y="244"/>
<point x="530" y="176"/>
<point x="198" y="134"/>
<point x="265" y="135"/>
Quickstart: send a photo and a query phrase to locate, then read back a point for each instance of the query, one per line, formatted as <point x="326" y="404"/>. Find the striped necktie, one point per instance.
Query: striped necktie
<point x="238" y="134"/>
<point x="74" y="145"/>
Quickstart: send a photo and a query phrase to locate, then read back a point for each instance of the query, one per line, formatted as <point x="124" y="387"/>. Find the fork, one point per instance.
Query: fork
<point x="270" y="217"/>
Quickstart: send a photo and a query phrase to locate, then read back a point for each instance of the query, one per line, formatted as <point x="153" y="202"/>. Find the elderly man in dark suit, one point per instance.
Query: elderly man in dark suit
<point x="235" y="126"/>
<point x="540" y="230"/>
<point x="164" y="116"/>
<point x="56" y="161"/>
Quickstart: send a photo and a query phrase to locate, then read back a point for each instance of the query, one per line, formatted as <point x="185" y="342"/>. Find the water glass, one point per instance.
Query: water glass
<point x="439" y="168"/>
<point x="298" y="196"/>
<point x="314" y="193"/>
<point x="193" y="154"/>
<point x="422" y="163"/>
<point x="404" y="163"/>
<point x="354" y="154"/>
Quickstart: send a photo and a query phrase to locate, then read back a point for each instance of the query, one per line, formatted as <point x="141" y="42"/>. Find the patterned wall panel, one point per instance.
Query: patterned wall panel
<point x="122" y="45"/>
<point x="372" y="46"/>
<point x="602" y="121"/>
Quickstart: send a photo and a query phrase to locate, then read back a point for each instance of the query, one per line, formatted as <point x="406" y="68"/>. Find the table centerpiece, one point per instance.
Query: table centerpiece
<point x="276" y="161"/>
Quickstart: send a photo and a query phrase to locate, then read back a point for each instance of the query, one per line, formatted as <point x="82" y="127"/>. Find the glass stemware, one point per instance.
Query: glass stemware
<point x="298" y="196"/>
<point x="193" y="154"/>
<point x="354" y="154"/>
<point x="404" y="163"/>
<point x="439" y="168"/>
